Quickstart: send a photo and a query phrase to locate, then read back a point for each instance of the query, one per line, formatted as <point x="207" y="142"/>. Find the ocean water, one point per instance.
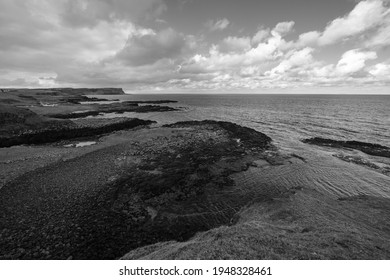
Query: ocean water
<point x="288" y="119"/>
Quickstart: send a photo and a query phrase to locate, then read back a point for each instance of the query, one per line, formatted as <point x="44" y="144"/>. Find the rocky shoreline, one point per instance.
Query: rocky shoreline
<point x="368" y="148"/>
<point x="185" y="190"/>
<point x="66" y="132"/>
<point x="159" y="188"/>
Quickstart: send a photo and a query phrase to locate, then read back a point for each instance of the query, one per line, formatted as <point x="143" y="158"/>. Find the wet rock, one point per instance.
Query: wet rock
<point x="368" y="148"/>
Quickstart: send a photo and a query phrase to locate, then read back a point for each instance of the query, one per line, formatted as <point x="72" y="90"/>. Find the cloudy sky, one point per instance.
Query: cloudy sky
<point x="259" y="46"/>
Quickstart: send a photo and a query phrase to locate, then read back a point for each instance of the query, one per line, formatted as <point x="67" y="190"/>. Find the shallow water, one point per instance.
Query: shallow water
<point x="81" y="144"/>
<point x="287" y="119"/>
<point x="99" y="102"/>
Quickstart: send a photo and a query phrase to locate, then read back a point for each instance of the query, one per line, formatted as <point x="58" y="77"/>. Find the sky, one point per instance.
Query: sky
<point x="197" y="46"/>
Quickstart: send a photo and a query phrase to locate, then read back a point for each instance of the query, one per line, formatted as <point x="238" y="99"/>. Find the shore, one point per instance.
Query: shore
<point x="188" y="190"/>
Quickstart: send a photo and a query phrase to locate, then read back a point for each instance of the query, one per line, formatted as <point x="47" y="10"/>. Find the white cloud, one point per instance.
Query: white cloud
<point x="354" y="61"/>
<point x="296" y="59"/>
<point x="235" y="44"/>
<point x="381" y="38"/>
<point x="218" y="25"/>
<point x="366" y="15"/>
<point x="260" y="36"/>
<point x="216" y="60"/>
<point x="381" y="70"/>
<point x="308" y="38"/>
<point x="283" y="28"/>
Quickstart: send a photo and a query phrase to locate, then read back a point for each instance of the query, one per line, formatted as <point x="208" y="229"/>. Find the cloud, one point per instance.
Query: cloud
<point x="231" y="53"/>
<point x="367" y="24"/>
<point x="33" y="48"/>
<point x="90" y="13"/>
<point x="300" y="66"/>
<point x="260" y="36"/>
<point x="283" y="28"/>
<point x="70" y="39"/>
<point x="354" y="61"/>
<point x="381" y="38"/>
<point x="308" y="38"/>
<point x="111" y="43"/>
<point x="366" y="15"/>
<point x="148" y="48"/>
<point x="217" y="60"/>
<point x="380" y="70"/>
<point x="217" y="25"/>
<point x="34" y="37"/>
<point x="235" y="44"/>
<point x="296" y="59"/>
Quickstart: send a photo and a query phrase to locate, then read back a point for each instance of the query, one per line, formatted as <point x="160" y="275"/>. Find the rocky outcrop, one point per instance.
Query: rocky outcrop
<point x="160" y="184"/>
<point x="368" y="148"/>
<point x="69" y="131"/>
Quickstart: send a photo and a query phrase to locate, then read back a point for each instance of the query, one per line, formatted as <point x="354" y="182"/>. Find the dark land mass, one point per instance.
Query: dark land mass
<point x="22" y="126"/>
<point x="35" y="97"/>
<point x="38" y="116"/>
<point x="77" y="99"/>
<point x="15" y="120"/>
<point x="368" y="148"/>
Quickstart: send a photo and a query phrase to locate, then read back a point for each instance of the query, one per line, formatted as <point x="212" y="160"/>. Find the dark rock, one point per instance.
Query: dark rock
<point x="54" y="134"/>
<point x="160" y="197"/>
<point x="248" y="136"/>
<point x="368" y="148"/>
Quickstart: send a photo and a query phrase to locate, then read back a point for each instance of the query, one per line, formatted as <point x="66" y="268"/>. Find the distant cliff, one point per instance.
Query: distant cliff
<point x="106" y="91"/>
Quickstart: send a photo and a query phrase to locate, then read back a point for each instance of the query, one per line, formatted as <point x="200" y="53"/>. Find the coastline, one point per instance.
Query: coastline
<point x="187" y="190"/>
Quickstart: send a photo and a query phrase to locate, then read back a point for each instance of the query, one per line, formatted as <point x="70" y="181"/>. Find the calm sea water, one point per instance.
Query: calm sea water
<point x="358" y="117"/>
<point x="289" y="118"/>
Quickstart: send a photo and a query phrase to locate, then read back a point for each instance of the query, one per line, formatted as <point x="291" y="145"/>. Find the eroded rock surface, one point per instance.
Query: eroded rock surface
<point x="156" y="185"/>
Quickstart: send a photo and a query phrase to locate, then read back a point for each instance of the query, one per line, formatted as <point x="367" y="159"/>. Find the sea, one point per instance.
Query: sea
<point x="289" y="118"/>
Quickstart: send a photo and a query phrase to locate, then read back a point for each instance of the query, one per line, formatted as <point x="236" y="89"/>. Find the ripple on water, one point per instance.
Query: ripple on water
<point x="321" y="172"/>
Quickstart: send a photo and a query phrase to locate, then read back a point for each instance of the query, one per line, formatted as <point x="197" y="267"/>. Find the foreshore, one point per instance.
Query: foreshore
<point x="186" y="190"/>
